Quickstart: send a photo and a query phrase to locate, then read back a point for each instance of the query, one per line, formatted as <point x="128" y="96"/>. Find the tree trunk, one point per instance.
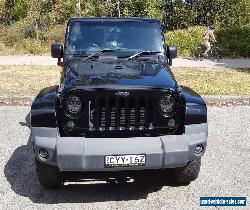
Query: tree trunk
<point x="118" y="8"/>
<point x="37" y="32"/>
<point x="110" y="8"/>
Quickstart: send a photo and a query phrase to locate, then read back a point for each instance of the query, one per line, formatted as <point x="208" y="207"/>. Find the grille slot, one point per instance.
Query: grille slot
<point x="121" y="113"/>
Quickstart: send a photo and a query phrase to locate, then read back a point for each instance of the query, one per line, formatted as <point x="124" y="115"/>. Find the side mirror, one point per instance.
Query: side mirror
<point x="56" y="50"/>
<point x="171" y="53"/>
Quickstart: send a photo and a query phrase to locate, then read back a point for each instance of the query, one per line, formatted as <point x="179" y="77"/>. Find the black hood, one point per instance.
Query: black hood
<point x="117" y="74"/>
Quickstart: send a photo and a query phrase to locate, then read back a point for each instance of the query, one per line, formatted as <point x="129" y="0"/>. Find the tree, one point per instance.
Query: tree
<point x="61" y="10"/>
<point x="19" y="9"/>
<point x="2" y="12"/>
<point x="174" y="13"/>
<point x="185" y="13"/>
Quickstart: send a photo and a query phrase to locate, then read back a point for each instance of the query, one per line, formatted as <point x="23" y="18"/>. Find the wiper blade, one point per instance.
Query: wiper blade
<point x="100" y="52"/>
<point x="138" y="54"/>
<point x="75" y="58"/>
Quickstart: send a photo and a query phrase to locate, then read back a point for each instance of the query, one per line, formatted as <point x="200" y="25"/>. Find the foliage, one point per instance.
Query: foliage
<point x="233" y="13"/>
<point x="61" y="11"/>
<point x="30" y="46"/>
<point x="175" y="13"/>
<point x="54" y="34"/>
<point x="186" y="40"/>
<point x="2" y="12"/>
<point x="19" y="9"/>
<point x="22" y="37"/>
<point x="44" y="20"/>
<point x="20" y="30"/>
<point x="184" y="13"/>
<point x="232" y="41"/>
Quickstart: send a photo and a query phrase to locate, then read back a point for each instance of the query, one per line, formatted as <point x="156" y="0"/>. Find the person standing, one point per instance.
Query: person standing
<point x="208" y="36"/>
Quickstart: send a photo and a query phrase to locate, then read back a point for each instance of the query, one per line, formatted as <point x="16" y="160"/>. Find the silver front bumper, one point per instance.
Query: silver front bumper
<point x="87" y="154"/>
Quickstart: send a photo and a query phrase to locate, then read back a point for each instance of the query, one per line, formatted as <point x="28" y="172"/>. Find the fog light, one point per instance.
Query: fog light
<point x="171" y="123"/>
<point x="151" y="127"/>
<point x="70" y="125"/>
<point x="141" y="128"/>
<point x="131" y="128"/>
<point x="198" y="149"/>
<point x="43" y="153"/>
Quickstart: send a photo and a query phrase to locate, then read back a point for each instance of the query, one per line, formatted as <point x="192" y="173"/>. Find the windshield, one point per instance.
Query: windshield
<point x="86" y="37"/>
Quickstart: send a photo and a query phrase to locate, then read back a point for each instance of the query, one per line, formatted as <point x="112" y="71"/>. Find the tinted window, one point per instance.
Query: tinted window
<point x="87" y="37"/>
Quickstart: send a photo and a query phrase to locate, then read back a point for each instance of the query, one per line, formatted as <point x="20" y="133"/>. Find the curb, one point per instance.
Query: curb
<point x="17" y="100"/>
<point x="227" y="100"/>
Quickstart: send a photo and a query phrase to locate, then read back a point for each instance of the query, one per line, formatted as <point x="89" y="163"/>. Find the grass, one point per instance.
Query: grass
<point x="29" y="80"/>
<point x="214" y="81"/>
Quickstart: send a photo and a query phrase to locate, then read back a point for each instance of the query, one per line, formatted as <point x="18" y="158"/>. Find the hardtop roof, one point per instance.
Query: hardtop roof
<point x="114" y="19"/>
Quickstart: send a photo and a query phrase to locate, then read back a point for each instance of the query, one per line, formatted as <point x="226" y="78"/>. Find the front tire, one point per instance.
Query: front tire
<point x="49" y="176"/>
<point x="188" y="173"/>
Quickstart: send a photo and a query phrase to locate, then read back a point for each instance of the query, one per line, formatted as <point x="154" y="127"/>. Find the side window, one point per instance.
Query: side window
<point x="74" y="35"/>
<point x="83" y="37"/>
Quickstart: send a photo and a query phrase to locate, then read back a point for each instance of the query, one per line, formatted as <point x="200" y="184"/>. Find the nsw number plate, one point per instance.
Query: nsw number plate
<point x="124" y="160"/>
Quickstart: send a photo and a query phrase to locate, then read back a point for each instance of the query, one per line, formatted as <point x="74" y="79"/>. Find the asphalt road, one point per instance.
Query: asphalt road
<point x="225" y="171"/>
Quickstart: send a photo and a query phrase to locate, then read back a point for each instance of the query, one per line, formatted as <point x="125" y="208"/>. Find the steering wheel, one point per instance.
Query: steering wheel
<point x="89" y="45"/>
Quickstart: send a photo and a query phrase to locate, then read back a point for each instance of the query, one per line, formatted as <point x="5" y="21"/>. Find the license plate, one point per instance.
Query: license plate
<point x="125" y="160"/>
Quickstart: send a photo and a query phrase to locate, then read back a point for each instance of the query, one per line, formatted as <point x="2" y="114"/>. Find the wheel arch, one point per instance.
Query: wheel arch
<point x="43" y="108"/>
<point x="196" y="109"/>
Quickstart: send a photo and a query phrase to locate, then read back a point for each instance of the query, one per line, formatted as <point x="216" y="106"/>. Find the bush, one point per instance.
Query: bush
<point x="21" y="38"/>
<point x="31" y="46"/>
<point x="232" y="42"/>
<point x="4" y="50"/>
<point x="10" y="35"/>
<point x="186" y="40"/>
<point x="17" y="31"/>
<point x="55" y="34"/>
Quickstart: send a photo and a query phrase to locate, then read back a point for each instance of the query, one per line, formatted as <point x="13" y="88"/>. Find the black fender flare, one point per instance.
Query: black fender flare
<point x="196" y="109"/>
<point x="43" y="108"/>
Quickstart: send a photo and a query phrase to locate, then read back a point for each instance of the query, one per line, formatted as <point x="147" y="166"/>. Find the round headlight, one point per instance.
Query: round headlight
<point x="167" y="104"/>
<point x="73" y="104"/>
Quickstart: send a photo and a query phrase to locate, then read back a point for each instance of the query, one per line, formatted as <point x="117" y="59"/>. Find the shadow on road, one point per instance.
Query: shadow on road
<point x="20" y="173"/>
<point x="26" y="122"/>
<point x="243" y="64"/>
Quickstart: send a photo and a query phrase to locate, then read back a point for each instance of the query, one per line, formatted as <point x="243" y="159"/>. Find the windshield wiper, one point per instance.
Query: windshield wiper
<point x="100" y="52"/>
<point x="138" y="54"/>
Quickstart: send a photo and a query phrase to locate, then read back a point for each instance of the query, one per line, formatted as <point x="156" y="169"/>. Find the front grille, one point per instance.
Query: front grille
<point x="121" y="113"/>
<point x="107" y="113"/>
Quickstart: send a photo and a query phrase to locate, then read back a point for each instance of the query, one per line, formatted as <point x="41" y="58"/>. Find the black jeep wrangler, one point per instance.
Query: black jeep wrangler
<point x="118" y="110"/>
